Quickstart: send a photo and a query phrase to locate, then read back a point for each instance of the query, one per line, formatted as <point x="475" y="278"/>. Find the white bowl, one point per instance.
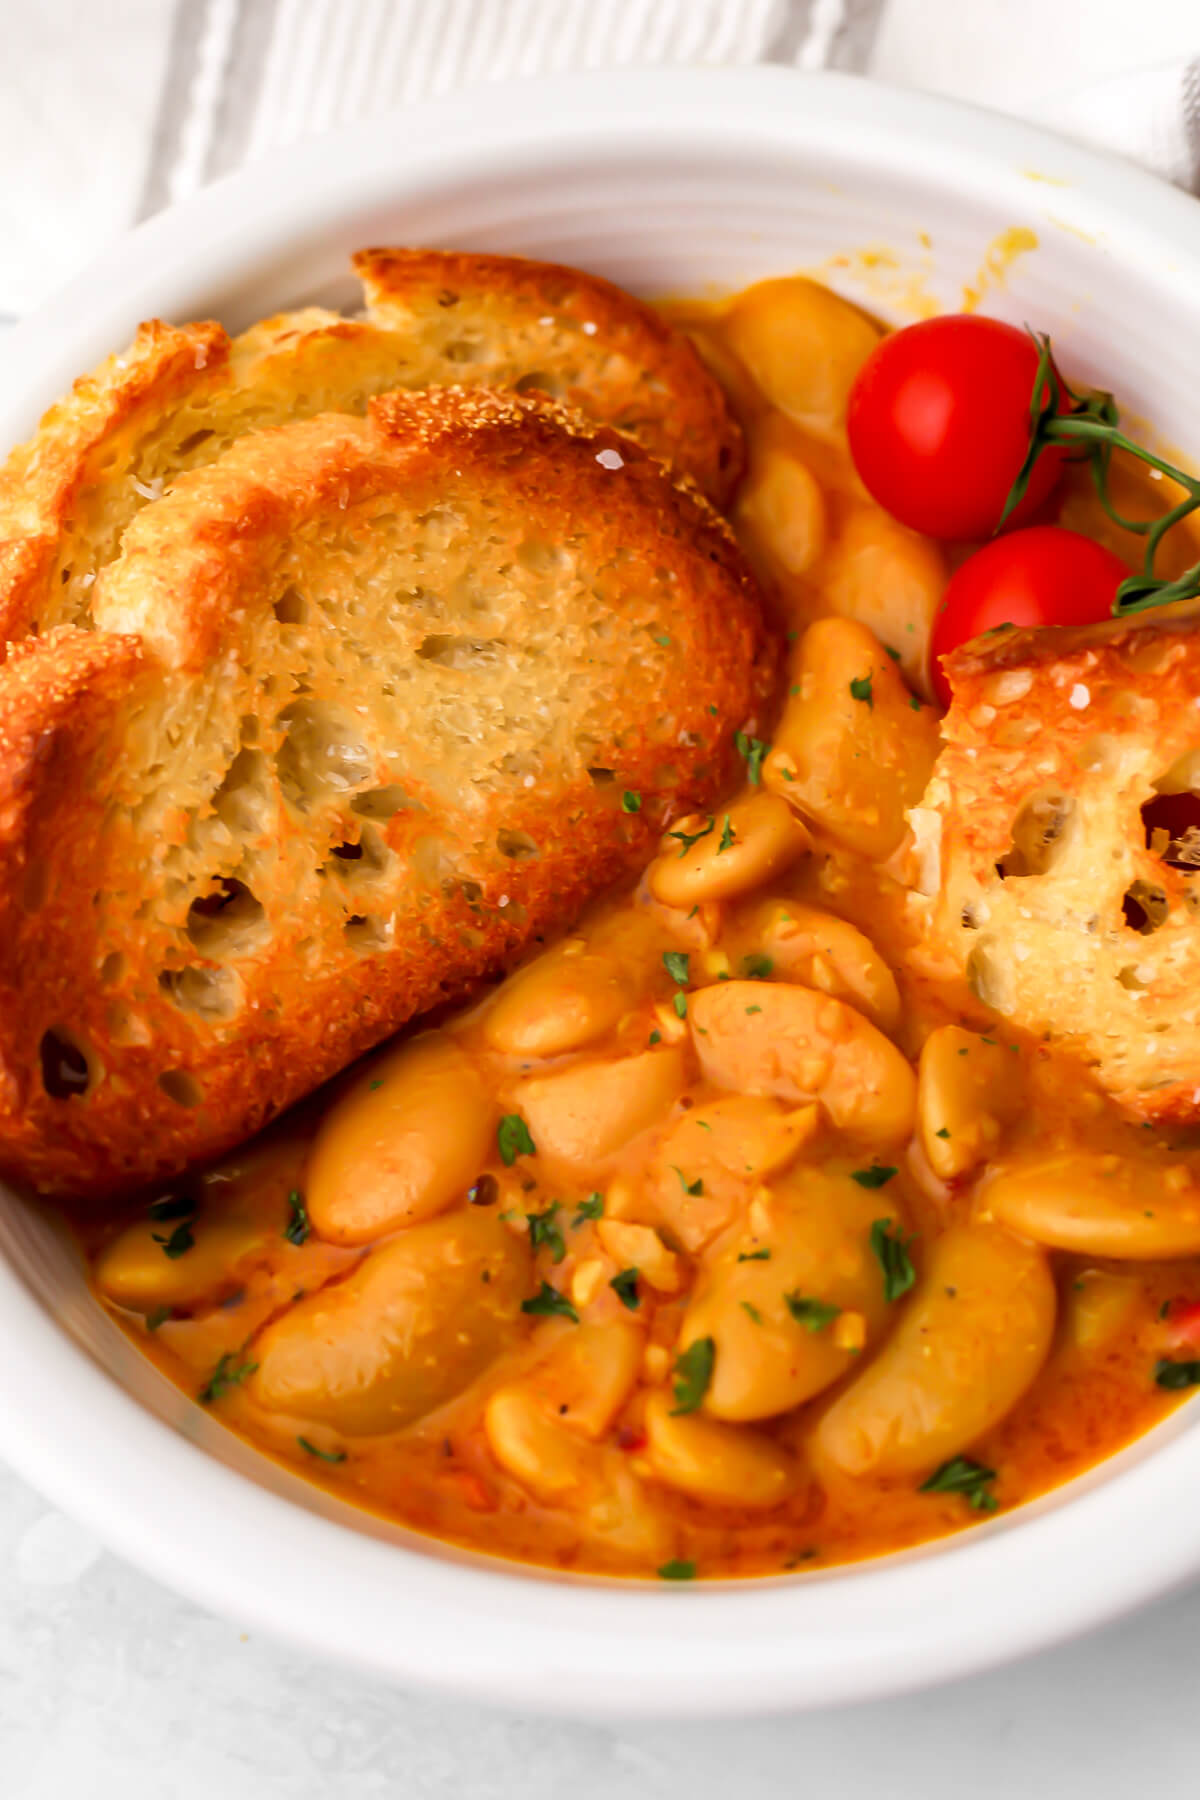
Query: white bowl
<point x="668" y="182"/>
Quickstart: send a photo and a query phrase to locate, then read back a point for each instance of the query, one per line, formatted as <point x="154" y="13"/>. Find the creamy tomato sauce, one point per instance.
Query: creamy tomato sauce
<point x="596" y="1275"/>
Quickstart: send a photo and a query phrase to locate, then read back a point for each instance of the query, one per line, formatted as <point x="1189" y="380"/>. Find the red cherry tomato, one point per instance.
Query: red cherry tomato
<point x="1044" y="576"/>
<point x="1183" y="1325"/>
<point x="938" y="421"/>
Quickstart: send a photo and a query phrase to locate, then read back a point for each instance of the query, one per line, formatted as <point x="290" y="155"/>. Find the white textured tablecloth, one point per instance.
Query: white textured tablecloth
<point x="109" y="109"/>
<point x="109" y="1684"/>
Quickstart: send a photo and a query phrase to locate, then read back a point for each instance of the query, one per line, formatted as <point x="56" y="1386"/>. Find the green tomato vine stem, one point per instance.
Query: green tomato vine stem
<point x="1091" y="422"/>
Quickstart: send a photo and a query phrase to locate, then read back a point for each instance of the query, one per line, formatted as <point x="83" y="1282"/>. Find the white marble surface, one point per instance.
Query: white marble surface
<point x="111" y="1686"/>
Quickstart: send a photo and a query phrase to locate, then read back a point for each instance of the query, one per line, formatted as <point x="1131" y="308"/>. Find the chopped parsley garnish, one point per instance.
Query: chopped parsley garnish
<point x="693" y="1372"/>
<point x="675" y="1570"/>
<point x="962" y="1476"/>
<point x="158" y="1316"/>
<point x="513" y="1139"/>
<point x="894" y="654"/>
<point x="860" y="689"/>
<point x="891" y="1253"/>
<point x="726" y="835"/>
<point x="591" y="1208"/>
<point x="756" y="966"/>
<point x="663" y="639"/>
<point x="753" y="749"/>
<point x="545" y="1234"/>
<point x="171" y="1206"/>
<point x="548" y="1303"/>
<point x="631" y="802"/>
<point x="877" y="1176"/>
<point x="943" y="1131"/>
<point x="763" y="1255"/>
<point x="178" y="1242"/>
<point x="680" y="1004"/>
<point x="814" y="1315"/>
<point x="624" y="1286"/>
<point x="688" y="838"/>
<point x="675" y="962"/>
<point x="329" y="1456"/>
<point x="229" y="1373"/>
<point x="751" y="1311"/>
<point x="164" y="1211"/>
<point x="915" y="703"/>
<point x="753" y="1009"/>
<point x="689" y="1187"/>
<point x="1173" y="1375"/>
<point x="377" y="1083"/>
<point x="654" y="1038"/>
<point x="297" y="1228"/>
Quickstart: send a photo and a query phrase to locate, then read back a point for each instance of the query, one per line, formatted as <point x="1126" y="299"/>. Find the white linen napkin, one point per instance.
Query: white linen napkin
<point x="1152" y="116"/>
<point x="112" y="111"/>
<point x="247" y="76"/>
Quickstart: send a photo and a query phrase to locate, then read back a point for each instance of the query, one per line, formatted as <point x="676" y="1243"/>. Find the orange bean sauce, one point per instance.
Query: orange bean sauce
<point x="821" y="548"/>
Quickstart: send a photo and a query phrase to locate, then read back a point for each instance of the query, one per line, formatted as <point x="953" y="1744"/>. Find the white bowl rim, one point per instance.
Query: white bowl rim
<point x="491" y="1632"/>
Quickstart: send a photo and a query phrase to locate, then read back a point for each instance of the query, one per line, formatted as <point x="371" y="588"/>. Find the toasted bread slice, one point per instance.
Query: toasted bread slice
<point x="542" y="327"/>
<point x="1073" y="915"/>
<point x="178" y="398"/>
<point x="364" y="716"/>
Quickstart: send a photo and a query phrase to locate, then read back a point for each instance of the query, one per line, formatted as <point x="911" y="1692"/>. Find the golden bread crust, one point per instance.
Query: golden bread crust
<point x="354" y="731"/>
<point x="179" y="398"/>
<point x="598" y="348"/>
<point x="1054" y="743"/>
<point x="44" y="481"/>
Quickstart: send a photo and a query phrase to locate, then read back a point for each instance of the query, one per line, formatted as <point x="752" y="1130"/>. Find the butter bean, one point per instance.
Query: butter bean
<point x="583" y="1115"/>
<point x="889" y="579"/>
<point x="403" y="1143"/>
<point x="815" y="1230"/>
<point x="803" y="345"/>
<point x="969" y="1343"/>
<point x="135" y="1271"/>
<point x="1133" y="1208"/>
<point x="748" y="843"/>
<point x="722" y="1465"/>
<point x="538" y="1452"/>
<point x="851" y="753"/>
<point x="591" y="1482"/>
<point x="817" y="950"/>
<point x="968" y="1090"/>
<point x="781" y="502"/>
<point x="1099" y="1304"/>
<point x="587" y="1373"/>
<point x="712" y="1158"/>
<point x="561" y="1002"/>
<point x="768" y="1037"/>
<point x="413" y="1326"/>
